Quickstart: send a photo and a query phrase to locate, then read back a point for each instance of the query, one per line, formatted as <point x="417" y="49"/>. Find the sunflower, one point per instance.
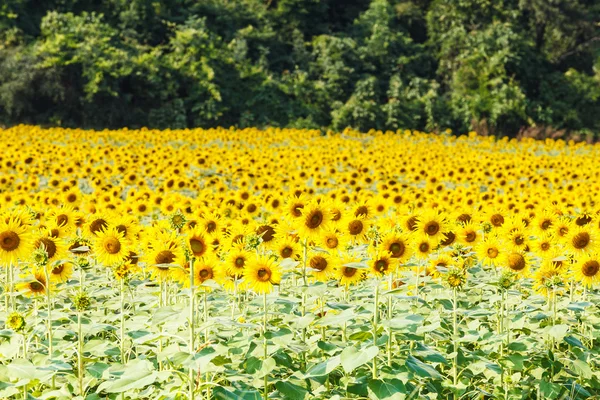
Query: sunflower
<point x="543" y="246"/>
<point x="355" y="227"/>
<point x="543" y="223"/>
<point x="547" y="279"/>
<point x="207" y="269"/>
<point x="61" y="272"/>
<point x="96" y="224"/>
<point x="64" y="217"/>
<point x="432" y="224"/>
<point x="199" y="244"/>
<point x="489" y="251"/>
<point x="517" y="239"/>
<point x="286" y="247"/>
<point x="211" y="223"/>
<point x="398" y="245"/>
<point x="349" y="275"/>
<point x="363" y="209"/>
<point x="422" y="246"/>
<point x="322" y="266"/>
<point x="294" y="206"/>
<point x="126" y="225"/>
<point x="383" y="264"/>
<point x="467" y="234"/>
<point x="34" y="285"/>
<point x="333" y="240"/>
<point x="439" y="265"/>
<point x="314" y="221"/>
<point x="582" y="240"/>
<point x="261" y="273"/>
<point x="587" y="269"/>
<point x="561" y="227"/>
<point x="15" y="241"/>
<point x="449" y="239"/>
<point x="409" y="223"/>
<point x="165" y="253"/>
<point x="496" y="218"/>
<point x="516" y="261"/>
<point x="336" y="210"/>
<point x="110" y="247"/>
<point x="235" y="262"/>
<point x="55" y="248"/>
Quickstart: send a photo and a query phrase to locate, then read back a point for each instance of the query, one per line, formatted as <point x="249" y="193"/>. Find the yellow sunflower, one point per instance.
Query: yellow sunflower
<point x="383" y="264"/>
<point x="322" y="266"/>
<point x="261" y="273"/>
<point x="34" y="284"/>
<point x="398" y="245"/>
<point x="517" y="262"/>
<point x="587" y="269"/>
<point x="61" y="272"/>
<point x="110" y="247"/>
<point x="489" y="251"/>
<point x="347" y="274"/>
<point x="15" y="241"/>
<point x="314" y="221"/>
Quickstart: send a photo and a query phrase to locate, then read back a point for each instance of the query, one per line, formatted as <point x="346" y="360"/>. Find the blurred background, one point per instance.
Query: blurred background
<point x="499" y="67"/>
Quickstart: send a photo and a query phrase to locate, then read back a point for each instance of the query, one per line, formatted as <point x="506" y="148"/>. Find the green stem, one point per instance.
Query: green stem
<point x="389" y="317"/>
<point x="49" y="304"/>
<point x="205" y="321"/>
<point x="80" y="355"/>
<point x="191" y="338"/>
<point x="375" y="325"/>
<point x="122" y="324"/>
<point x="266" y="353"/>
<point x="11" y="288"/>
<point x="455" y="339"/>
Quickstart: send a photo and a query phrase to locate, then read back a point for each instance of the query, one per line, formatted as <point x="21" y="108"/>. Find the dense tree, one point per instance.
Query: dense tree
<point x="495" y="66"/>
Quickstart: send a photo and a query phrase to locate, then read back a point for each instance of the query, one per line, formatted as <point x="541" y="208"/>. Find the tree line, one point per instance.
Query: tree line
<point x="501" y="67"/>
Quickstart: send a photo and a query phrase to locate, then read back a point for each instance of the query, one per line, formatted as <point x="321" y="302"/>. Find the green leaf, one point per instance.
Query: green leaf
<point x="558" y="332"/>
<point x="324" y="368"/>
<point x="97" y="369"/>
<point x="137" y="375"/>
<point x="573" y="341"/>
<point x="225" y="394"/>
<point x="421" y="369"/>
<point x="393" y="389"/>
<point x="549" y="390"/>
<point x="291" y="391"/>
<point x="582" y="369"/>
<point x="353" y="358"/>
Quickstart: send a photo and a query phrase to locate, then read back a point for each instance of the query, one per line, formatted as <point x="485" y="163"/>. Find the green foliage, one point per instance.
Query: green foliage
<point x="383" y="64"/>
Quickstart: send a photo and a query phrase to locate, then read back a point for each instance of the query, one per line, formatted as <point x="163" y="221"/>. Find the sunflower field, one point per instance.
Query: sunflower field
<point x="288" y="264"/>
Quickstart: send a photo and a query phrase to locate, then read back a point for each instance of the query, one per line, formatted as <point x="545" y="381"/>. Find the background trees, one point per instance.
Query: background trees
<point x="495" y="66"/>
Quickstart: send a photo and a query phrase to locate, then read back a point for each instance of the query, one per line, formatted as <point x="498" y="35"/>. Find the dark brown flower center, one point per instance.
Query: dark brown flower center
<point x="62" y="219"/>
<point x="424" y="247"/>
<point x="97" y="225"/>
<point x="318" y="263"/>
<point x="516" y="262"/>
<point x="583" y="220"/>
<point x="349" y="272"/>
<point x="381" y="265"/>
<point x="197" y="246"/>
<point x="492" y="252"/>
<point x="450" y="237"/>
<point x="431" y="228"/>
<point x="332" y="242"/>
<point x="266" y="232"/>
<point x="470" y="237"/>
<point x="205" y="273"/>
<point x="314" y="220"/>
<point x="211" y="226"/>
<point x="590" y="268"/>
<point x="355" y="227"/>
<point x="239" y="262"/>
<point x="36" y="286"/>
<point x="581" y="240"/>
<point x="165" y="257"/>
<point x="397" y="249"/>
<point x="49" y="245"/>
<point x="9" y="240"/>
<point x="362" y="210"/>
<point x="286" y="252"/>
<point x="464" y="218"/>
<point x="58" y="269"/>
<point x="546" y="224"/>
<point x="411" y="223"/>
<point x="264" y="274"/>
<point x="112" y="245"/>
<point x="497" y="220"/>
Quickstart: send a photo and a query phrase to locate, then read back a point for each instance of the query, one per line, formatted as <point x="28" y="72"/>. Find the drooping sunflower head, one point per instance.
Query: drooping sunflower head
<point x="517" y="262"/>
<point x="96" y="224"/>
<point x="548" y="280"/>
<point x="55" y="248"/>
<point x="455" y="278"/>
<point x="34" y="284"/>
<point x="208" y="269"/>
<point x="15" y="321"/>
<point x="61" y="272"/>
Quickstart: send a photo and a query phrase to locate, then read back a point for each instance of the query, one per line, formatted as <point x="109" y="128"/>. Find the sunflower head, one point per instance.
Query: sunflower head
<point x="15" y="321"/>
<point x="455" y="278"/>
<point x="81" y="301"/>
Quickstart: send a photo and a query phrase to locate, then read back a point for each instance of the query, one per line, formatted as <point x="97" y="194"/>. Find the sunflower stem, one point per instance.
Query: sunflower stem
<point x="122" y="322"/>
<point x="266" y="352"/>
<point x="389" y="316"/>
<point x="11" y="285"/>
<point x="375" y="324"/>
<point x="205" y="319"/>
<point x="191" y="338"/>
<point x="454" y="340"/>
<point x="49" y="304"/>
<point x="80" y="355"/>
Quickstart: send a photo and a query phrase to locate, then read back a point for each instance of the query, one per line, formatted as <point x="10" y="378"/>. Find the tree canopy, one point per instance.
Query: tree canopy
<point x="494" y="65"/>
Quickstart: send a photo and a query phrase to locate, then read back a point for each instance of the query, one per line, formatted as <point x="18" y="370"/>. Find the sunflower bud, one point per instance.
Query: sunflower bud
<point x="455" y="278"/>
<point x="15" y="321"/>
<point x="177" y="220"/>
<point x="40" y="257"/>
<point x="81" y="300"/>
<point x="507" y="279"/>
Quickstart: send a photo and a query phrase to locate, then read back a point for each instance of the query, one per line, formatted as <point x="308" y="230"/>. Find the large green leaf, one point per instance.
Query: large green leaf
<point x="353" y="358"/>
